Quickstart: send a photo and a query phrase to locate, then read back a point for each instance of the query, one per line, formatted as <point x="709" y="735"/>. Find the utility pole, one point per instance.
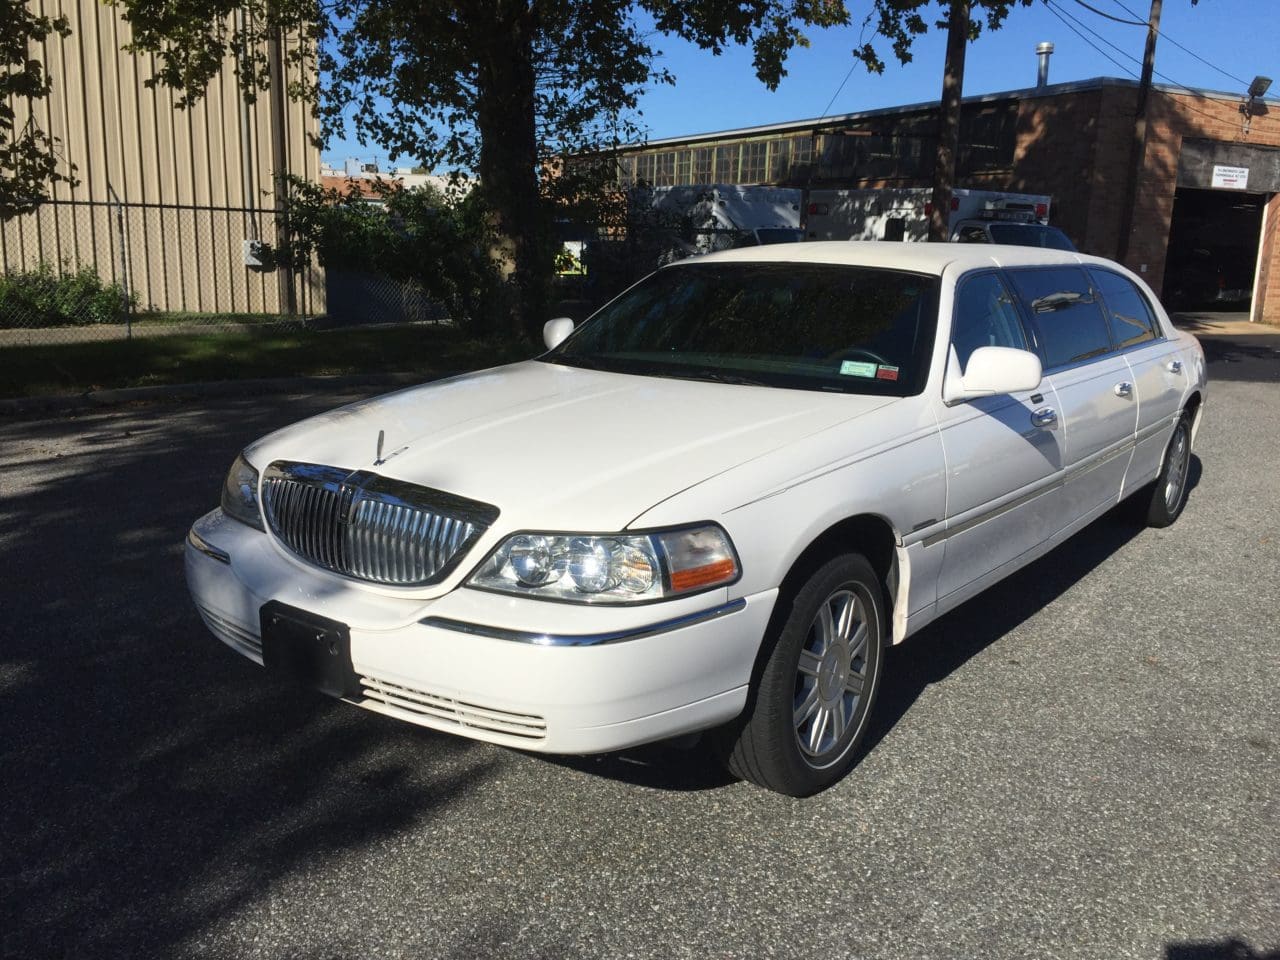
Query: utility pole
<point x="1137" y="153"/>
<point x="944" y="171"/>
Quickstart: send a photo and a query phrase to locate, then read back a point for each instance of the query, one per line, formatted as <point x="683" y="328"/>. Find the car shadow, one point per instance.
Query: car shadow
<point x="929" y="657"/>
<point x="948" y="643"/>
<point x="155" y="782"/>
<point x="1232" y="949"/>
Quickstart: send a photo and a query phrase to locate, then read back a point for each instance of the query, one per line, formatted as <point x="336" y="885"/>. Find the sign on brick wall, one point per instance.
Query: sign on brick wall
<point x="1230" y="178"/>
<point x="1224" y="165"/>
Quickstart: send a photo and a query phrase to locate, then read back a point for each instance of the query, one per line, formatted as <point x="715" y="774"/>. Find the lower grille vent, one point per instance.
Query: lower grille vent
<point x="451" y="711"/>
<point x="228" y="631"/>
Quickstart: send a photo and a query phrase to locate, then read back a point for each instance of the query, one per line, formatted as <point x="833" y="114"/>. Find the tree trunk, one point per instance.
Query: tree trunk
<point x="944" y="170"/>
<point x="508" y="165"/>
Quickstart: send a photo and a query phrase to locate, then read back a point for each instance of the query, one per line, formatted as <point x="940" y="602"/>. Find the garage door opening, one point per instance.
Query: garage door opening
<point x="1213" y="249"/>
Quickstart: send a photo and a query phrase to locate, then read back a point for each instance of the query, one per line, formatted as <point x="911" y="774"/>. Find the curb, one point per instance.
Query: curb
<point x="104" y="399"/>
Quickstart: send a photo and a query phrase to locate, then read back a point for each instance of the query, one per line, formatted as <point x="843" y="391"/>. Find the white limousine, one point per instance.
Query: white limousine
<point x="711" y="505"/>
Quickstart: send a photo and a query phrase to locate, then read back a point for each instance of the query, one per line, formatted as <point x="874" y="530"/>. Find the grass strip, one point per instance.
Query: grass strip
<point x="73" y="368"/>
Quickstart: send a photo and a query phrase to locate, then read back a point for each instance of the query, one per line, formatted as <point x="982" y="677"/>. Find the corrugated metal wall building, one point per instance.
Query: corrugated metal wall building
<point x="167" y="194"/>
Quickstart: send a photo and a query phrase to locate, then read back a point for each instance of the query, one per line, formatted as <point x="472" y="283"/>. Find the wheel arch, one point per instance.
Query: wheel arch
<point x="1194" y="408"/>
<point x="869" y="534"/>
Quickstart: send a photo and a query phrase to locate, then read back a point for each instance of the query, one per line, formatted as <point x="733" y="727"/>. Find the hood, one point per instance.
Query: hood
<point x="561" y="448"/>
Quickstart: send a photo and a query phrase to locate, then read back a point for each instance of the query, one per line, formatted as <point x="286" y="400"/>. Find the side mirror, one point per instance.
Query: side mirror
<point x="554" y="331"/>
<point x="989" y="372"/>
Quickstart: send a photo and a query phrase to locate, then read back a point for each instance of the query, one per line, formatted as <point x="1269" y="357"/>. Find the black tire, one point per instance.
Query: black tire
<point x="1162" y="502"/>
<point x="768" y="745"/>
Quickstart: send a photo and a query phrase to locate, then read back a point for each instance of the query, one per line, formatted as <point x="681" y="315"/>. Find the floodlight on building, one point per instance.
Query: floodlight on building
<point x="1253" y="105"/>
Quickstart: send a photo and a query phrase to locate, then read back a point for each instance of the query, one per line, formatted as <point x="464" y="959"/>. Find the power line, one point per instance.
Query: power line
<point x="1051" y="5"/>
<point x="1102" y="13"/>
<point x="1097" y="48"/>
<point x="838" y="89"/>
<point x="1188" y="50"/>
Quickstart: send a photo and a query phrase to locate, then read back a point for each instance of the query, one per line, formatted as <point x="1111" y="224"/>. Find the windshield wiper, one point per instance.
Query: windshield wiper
<point x="586" y="363"/>
<point x="722" y="376"/>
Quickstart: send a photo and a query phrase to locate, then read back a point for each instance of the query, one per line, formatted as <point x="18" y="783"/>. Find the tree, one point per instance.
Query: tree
<point x="499" y="88"/>
<point x="901" y="21"/>
<point x="29" y="157"/>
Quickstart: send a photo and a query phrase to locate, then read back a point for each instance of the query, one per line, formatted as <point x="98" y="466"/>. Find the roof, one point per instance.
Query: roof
<point x="1024" y="93"/>
<point x="931" y="258"/>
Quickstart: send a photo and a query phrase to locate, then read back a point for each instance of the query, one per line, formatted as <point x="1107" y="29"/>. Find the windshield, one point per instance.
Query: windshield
<point x="796" y="325"/>
<point x="1030" y="235"/>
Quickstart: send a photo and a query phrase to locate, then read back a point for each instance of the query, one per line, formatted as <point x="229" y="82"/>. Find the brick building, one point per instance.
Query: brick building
<point x="1206" y="213"/>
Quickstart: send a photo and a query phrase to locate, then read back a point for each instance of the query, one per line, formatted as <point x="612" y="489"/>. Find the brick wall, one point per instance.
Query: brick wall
<point x="1171" y="118"/>
<point x="1265" y="306"/>
<point x="1054" y="154"/>
<point x="1076" y="146"/>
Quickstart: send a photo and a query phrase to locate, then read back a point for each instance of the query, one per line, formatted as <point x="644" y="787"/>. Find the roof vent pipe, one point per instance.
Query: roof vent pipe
<point x="1044" y="51"/>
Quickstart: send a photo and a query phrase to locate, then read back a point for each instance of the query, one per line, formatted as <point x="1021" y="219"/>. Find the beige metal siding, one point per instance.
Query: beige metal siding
<point x="159" y="161"/>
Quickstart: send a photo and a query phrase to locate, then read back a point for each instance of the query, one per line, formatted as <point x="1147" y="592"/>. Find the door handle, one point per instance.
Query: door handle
<point x="1175" y="366"/>
<point x="1045" y="417"/>
<point x="1124" y="389"/>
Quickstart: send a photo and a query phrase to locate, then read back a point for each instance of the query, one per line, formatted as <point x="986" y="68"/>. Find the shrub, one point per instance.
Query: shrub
<point x="442" y="244"/>
<point x="47" y="297"/>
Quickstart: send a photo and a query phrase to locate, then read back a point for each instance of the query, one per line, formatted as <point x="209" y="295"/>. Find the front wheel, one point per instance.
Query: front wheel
<point x="808" y="711"/>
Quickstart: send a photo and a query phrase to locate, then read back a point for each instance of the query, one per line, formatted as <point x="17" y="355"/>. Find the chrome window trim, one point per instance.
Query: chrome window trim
<point x="585" y="639"/>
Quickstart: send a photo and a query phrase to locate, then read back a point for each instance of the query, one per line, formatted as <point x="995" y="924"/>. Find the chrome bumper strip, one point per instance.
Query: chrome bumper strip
<point x="204" y="546"/>
<point x="585" y="639"/>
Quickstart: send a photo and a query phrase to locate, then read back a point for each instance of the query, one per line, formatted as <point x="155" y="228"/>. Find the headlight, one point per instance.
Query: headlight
<point x="615" y="568"/>
<point x="240" y="493"/>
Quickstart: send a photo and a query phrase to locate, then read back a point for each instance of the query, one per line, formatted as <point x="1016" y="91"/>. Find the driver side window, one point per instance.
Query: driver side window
<point x="984" y="317"/>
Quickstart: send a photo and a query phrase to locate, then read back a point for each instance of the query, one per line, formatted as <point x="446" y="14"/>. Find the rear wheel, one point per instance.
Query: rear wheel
<point x="1168" y="495"/>
<point x="809" y="709"/>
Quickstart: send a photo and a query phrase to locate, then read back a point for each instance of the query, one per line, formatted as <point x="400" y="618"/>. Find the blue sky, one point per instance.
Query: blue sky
<point x="1241" y="37"/>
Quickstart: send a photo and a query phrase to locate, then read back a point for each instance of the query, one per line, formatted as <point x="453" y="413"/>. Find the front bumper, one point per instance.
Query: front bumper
<point x="541" y="676"/>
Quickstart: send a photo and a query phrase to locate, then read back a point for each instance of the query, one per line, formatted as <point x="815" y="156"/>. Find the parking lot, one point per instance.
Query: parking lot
<point x="1081" y="763"/>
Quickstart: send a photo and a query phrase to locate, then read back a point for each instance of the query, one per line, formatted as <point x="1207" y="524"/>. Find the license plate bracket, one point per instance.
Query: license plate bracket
<point x="309" y="649"/>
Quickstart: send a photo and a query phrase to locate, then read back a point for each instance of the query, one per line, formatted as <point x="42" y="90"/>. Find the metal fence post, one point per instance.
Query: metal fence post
<point x="124" y="263"/>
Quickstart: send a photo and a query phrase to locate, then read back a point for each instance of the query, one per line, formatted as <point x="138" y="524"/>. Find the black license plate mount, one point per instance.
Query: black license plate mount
<point x="309" y="649"/>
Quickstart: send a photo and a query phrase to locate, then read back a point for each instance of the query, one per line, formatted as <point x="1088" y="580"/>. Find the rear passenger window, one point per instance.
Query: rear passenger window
<point x="1127" y="309"/>
<point x="1067" y="317"/>
<point x="984" y="317"/>
<point x="972" y="234"/>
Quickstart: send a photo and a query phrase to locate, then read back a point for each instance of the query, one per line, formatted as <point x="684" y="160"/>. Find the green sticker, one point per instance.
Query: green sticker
<point x="856" y="368"/>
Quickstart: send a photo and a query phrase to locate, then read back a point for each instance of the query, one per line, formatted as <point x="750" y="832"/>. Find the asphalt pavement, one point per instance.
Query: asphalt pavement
<point x="1082" y="763"/>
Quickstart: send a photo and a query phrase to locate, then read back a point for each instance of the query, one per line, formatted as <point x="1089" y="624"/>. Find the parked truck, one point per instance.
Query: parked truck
<point x="902" y="213"/>
<point x="720" y="216"/>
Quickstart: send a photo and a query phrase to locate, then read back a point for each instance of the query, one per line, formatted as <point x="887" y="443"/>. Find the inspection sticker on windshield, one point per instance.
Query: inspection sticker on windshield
<point x="857" y="368"/>
<point x="885" y="372"/>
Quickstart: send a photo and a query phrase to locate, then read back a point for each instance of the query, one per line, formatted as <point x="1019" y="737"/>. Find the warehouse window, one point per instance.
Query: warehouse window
<point x="684" y="166"/>
<point x="779" y="160"/>
<point x="646" y="167"/>
<point x="665" y="174"/>
<point x="702" y="165"/>
<point x="753" y="161"/>
<point x="727" y="164"/>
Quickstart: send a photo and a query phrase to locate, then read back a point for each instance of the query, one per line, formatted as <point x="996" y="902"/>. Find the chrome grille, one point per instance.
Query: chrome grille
<point x="366" y="526"/>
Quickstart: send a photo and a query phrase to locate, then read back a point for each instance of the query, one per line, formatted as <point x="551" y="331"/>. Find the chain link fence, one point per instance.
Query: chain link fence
<point x="75" y="271"/>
